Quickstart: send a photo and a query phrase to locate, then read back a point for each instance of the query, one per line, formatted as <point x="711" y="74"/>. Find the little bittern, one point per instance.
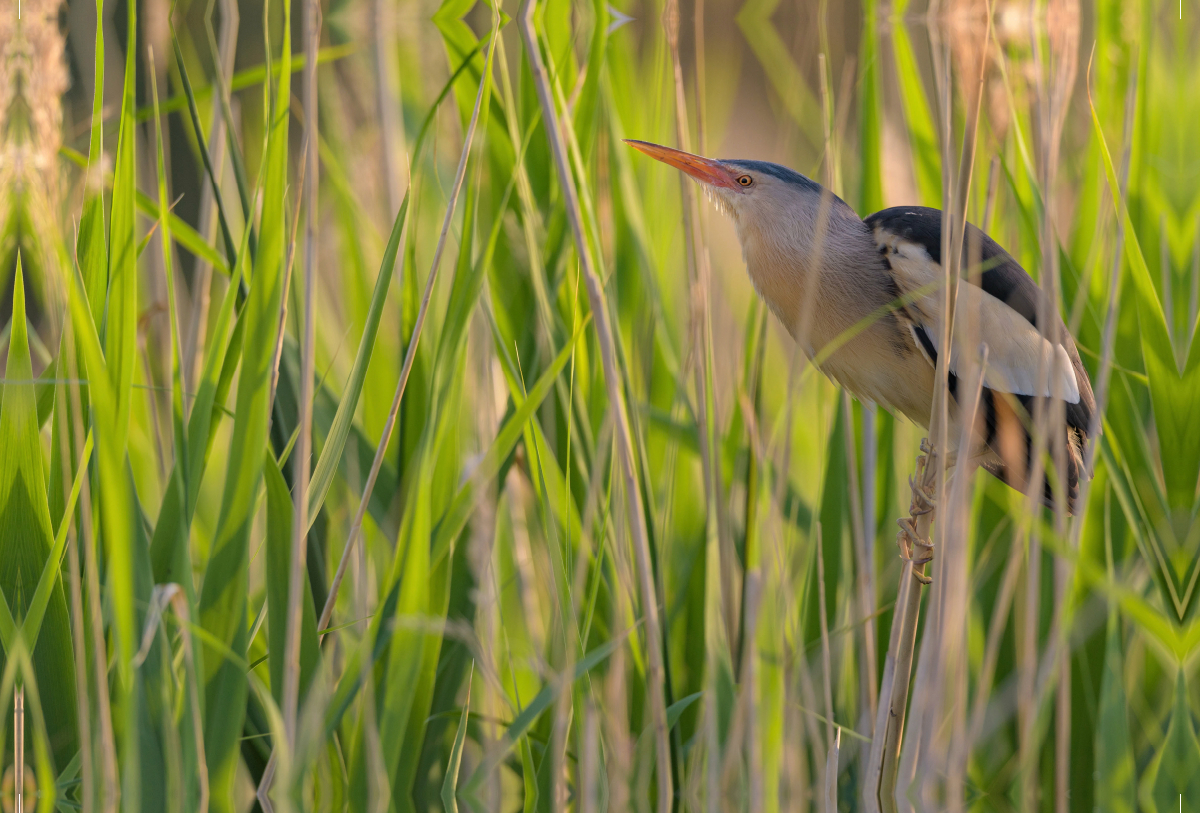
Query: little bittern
<point x="865" y="299"/>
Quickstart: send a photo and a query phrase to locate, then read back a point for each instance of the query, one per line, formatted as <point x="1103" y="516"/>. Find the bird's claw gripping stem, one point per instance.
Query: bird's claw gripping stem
<point x="915" y="546"/>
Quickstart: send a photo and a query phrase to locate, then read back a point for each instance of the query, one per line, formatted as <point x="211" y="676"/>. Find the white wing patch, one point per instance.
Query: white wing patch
<point x="1017" y="351"/>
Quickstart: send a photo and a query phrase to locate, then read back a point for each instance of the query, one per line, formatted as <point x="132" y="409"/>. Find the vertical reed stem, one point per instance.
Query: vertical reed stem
<point x="604" y="334"/>
<point x="300" y="462"/>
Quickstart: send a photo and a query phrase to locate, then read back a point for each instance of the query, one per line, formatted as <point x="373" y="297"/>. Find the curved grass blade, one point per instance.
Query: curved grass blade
<point x="91" y="247"/>
<point x="339" y="431"/>
<point x="194" y="114"/>
<point x="251" y="77"/>
<point x="450" y="783"/>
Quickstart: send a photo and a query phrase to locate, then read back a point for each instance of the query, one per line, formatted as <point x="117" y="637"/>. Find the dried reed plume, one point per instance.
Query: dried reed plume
<point x="33" y="78"/>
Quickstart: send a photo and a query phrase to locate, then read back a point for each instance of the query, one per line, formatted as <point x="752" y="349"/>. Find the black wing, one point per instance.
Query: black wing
<point x="1005" y="279"/>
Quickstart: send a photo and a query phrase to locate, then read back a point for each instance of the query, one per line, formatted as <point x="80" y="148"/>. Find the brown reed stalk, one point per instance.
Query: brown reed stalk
<point x="938" y="718"/>
<point x="700" y="317"/>
<point x="625" y="451"/>
<point x="301" y="464"/>
<point x="917" y="551"/>
<point x="928" y="484"/>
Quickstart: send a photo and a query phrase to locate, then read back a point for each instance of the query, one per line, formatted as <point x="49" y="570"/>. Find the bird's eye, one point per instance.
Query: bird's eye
<point x="745" y="180"/>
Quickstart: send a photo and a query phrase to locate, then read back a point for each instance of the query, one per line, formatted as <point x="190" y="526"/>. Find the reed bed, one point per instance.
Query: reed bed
<point x="378" y="432"/>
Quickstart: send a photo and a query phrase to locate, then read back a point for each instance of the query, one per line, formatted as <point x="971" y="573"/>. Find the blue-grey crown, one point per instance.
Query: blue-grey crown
<point x="777" y="171"/>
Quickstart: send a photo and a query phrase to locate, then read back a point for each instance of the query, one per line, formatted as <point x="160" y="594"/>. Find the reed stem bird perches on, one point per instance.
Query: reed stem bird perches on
<point x="862" y="300"/>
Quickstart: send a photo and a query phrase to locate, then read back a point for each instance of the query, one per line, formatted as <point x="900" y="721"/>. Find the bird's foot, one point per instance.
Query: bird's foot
<point x="914" y="543"/>
<point x="913" y="549"/>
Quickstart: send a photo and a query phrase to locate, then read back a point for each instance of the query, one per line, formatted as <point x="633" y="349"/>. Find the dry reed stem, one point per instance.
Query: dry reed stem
<point x="916" y="550"/>
<point x="831" y="771"/>
<point x="411" y="352"/>
<point x="1061" y="62"/>
<point x="700" y="329"/>
<point x="929" y="485"/>
<point x="633" y="496"/>
<point x="560" y="795"/>
<point x="926" y="730"/>
<point x="391" y="130"/>
<point x="863" y="552"/>
<point x="832" y="737"/>
<point x="79" y="647"/>
<point x="300" y="463"/>
<point x="1055" y="659"/>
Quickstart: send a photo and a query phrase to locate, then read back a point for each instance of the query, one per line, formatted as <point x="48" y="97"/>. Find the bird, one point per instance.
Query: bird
<point x="863" y="299"/>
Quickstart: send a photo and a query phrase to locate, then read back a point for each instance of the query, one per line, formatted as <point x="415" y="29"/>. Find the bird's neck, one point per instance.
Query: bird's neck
<point x="817" y="287"/>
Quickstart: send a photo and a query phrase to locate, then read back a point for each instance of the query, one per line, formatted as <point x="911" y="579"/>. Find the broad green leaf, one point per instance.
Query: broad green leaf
<point x="1171" y="775"/>
<point x="49" y="584"/>
<point x="279" y="555"/>
<point x="169" y="554"/>
<point x="119" y="336"/>
<point x="412" y="572"/>
<point x="676" y="709"/>
<point x="1116" y="772"/>
<point x="26" y="537"/>
<point x="91" y="248"/>
<point x="1175" y="395"/>
<point x="224" y="594"/>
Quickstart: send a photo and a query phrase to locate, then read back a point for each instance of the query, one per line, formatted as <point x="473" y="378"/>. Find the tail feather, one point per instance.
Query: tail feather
<point x="1014" y="470"/>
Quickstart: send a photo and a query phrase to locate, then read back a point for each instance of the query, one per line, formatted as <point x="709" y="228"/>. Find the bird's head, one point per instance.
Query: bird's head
<point x="774" y="208"/>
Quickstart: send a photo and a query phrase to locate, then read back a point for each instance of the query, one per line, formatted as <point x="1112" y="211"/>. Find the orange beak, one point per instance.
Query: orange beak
<point x="704" y="170"/>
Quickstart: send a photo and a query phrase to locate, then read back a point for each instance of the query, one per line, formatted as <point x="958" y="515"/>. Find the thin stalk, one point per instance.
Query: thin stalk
<point x="944" y="638"/>
<point x="633" y="495"/>
<point x="700" y="329"/>
<point x="929" y="485"/>
<point x="391" y="130"/>
<point x="831" y="771"/>
<point x="701" y="335"/>
<point x="301" y="464"/>
<point x="863" y="553"/>
<point x="209" y="214"/>
<point x="1061" y="63"/>
<point x="831" y="737"/>
<point x="79" y="646"/>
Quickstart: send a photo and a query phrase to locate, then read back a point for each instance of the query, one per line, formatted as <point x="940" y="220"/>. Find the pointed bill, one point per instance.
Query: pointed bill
<point x="705" y="170"/>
